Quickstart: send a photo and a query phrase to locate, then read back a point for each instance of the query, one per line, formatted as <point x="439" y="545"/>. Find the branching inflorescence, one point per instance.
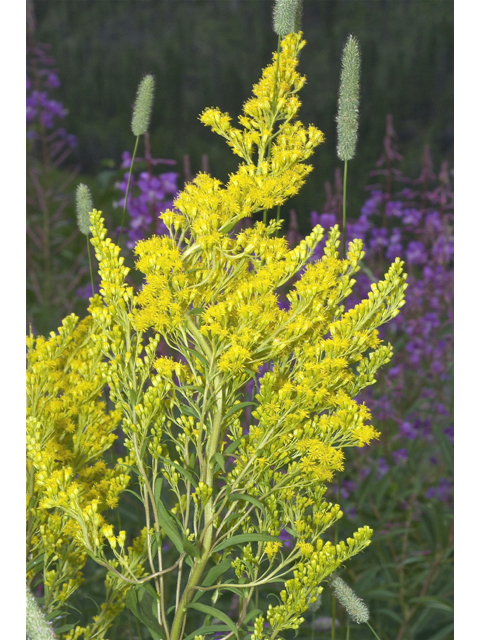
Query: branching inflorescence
<point x="219" y="495"/>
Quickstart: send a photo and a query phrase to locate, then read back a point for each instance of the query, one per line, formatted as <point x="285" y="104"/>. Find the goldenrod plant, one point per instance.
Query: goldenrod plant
<point x="69" y="431"/>
<point x="219" y="496"/>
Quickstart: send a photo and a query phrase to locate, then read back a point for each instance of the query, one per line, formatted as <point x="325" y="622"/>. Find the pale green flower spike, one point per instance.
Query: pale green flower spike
<point x="354" y="606"/>
<point x="348" y="100"/>
<point x="84" y="206"/>
<point x="143" y="106"/>
<point x="37" y="627"/>
<point x="287" y="15"/>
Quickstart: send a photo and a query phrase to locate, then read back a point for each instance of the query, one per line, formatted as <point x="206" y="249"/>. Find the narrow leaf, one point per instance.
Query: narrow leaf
<point x="252" y="614"/>
<point x="180" y="470"/>
<point x="220" y="460"/>
<point x="238" y="407"/>
<point x="233" y="445"/>
<point x="208" y="629"/>
<point x="191" y="549"/>
<point x="244" y="537"/>
<point x="167" y="524"/>
<point x="247" y="498"/>
<point x="216" y="613"/>
<point x="216" y="572"/>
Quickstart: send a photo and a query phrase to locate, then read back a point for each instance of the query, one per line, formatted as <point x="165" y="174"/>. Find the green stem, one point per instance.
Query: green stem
<point x="274" y="106"/>
<point x="344" y="209"/>
<point x="198" y="569"/>
<point x="336" y="541"/>
<point x="90" y="265"/>
<point x="371" y="629"/>
<point x="278" y="217"/>
<point x="333" y="617"/>
<point x="128" y="189"/>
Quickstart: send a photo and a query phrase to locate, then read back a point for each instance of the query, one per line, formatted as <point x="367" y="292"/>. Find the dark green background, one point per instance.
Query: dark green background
<point x="210" y="52"/>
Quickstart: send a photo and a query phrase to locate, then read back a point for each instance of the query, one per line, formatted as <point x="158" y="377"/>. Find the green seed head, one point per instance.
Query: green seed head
<point x="143" y="106"/>
<point x="354" y="606"/>
<point x="287" y="16"/>
<point x="84" y="206"/>
<point x="348" y="100"/>
<point x="37" y="626"/>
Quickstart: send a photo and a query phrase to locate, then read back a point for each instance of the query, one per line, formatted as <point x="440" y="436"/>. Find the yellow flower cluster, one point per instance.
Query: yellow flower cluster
<point x="210" y="293"/>
<point x="305" y="587"/>
<point x="68" y="431"/>
<point x="211" y="263"/>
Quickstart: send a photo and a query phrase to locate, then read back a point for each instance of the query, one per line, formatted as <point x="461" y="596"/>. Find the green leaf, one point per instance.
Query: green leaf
<point x="143" y="604"/>
<point x="135" y="494"/>
<point x="391" y="614"/>
<point x="91" y="554"/>
<point x="148" y="587"/>
<point x="216" y="613"/>
<point x="133" y="397"/>
<point x="246" y="498"/>
<point x="191" y="549"/>
<point x="130" y="468"/>
<point x="434" y="602"/>
<point x="233" y="445"/>
<point x="244" y="537"/>
<point x="238" y="407"/>
<point x="157" y="490"/>
<point x="208" y="629"/>
<point x="200" y="357"/>
<point x="444" y="632"/>
<point x="167" y="524"/>
<point x="196" y="311"/>
<point x="64" y="628"/>
<point x="216" y="571"/>
<point x="189" y="411"/>
<point x="251" y="615"/>
<point x="191" y="386"/>
<point x="156" y="544"/>
<point x="180" y="470"/>
<point x="220" y="460"/>
<point x="36" y="561"/>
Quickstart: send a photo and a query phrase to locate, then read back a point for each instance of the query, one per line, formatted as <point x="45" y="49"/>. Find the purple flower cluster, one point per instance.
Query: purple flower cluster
<point x="43" y="112"/>
<point x="149" y="196"/>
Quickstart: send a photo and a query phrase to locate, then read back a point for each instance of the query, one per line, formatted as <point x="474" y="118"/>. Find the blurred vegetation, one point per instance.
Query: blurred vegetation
<point x="210" y="52"/>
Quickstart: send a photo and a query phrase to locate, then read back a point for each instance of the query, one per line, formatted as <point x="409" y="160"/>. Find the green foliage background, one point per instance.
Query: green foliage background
<point x="210" y="52"/>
